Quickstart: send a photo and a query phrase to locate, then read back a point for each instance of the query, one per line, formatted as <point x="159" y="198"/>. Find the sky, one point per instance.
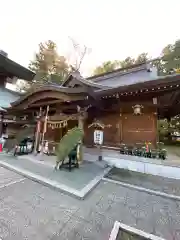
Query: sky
<point x="112" y="30"/>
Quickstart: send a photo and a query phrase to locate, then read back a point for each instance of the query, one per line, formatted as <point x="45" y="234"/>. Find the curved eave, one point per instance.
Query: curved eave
<point x="3" y="109"/>
<point x="54" y="88"/>
<point x="14" y="69"/>
<point x="83" y="81"/>
<point x="93" y="85"/>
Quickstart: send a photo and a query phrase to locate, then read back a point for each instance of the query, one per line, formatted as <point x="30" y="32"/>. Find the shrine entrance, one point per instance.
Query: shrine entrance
<point x="56" y="130"/>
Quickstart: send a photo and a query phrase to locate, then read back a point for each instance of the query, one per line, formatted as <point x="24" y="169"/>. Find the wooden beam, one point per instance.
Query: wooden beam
<point x="54" y="107"/>
<point x="26" y="103"/>
<point x="45" y="103"/>
<point x="55" y="102"/>
<point x="146" y="93"/>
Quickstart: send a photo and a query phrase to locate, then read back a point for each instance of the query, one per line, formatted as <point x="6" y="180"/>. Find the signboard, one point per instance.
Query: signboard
<point x="46" y="147"/>
<point x="121" y="231"/>
<point x="98" y="137"/>
<point x="29" y="146"/>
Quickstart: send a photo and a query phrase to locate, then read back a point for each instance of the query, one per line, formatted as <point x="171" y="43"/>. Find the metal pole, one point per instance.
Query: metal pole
<point x="100" y="153"/>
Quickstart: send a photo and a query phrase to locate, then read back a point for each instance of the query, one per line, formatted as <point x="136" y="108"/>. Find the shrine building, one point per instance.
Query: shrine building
<point x="10" y="72"/>
<point x="126" y="103"/>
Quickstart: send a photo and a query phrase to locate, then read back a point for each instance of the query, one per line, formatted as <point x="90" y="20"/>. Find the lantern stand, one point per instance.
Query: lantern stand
<point x="137" y="109"/>
<point x="98" y="137"/>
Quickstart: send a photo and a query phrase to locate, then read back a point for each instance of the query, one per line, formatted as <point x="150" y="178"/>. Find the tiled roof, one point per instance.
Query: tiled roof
<point x="140" y="73"/>
<point x="49" y="87"/>
<point x="88" y="83"/>
<point x="12" y="68"/>
<point x="172" y="79"/>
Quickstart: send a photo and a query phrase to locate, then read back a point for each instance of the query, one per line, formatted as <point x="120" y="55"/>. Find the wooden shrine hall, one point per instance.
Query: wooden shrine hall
<point x="127" y="102"/>
<point x="10" y="72"/>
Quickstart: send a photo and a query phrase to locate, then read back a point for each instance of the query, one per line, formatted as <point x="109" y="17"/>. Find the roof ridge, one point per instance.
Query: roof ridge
<point x="89" y="82"/>
<point x="115" y="74"/>
<point x="123" y="69"/>
<point x="159" y="78"/>
<point x="77" y="75"/>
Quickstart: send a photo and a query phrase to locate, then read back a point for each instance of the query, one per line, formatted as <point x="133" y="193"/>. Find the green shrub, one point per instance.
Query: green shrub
<point x="68" y="142"/>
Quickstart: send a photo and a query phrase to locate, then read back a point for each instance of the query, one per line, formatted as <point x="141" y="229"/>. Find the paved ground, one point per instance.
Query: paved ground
<point x="147" y="181"/>
<point x="174" y="150"/>
<point x="29" y="211"/>
<point x="76" y="179"/>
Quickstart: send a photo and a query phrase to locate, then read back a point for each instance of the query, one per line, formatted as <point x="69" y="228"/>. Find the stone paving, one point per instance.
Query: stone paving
<point x="29" y="211"/>
<point x="6" y="177"/>
<point x="147" y="181"/>
<point x="76" y="179"/>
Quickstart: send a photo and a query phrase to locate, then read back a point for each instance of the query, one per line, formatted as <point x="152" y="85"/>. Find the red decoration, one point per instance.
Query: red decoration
<point x="1" y="147"/>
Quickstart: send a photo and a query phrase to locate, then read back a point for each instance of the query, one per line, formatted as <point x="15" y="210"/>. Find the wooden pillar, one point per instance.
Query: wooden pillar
<point x="155" y="127"/>
<point x="38" y="125"/>
<point x="44" y="129"/>
<point x="169" y="128"/>
<point x="155" y="119"/>
<point x="81" y="122"/>
<point x="81" y="118"/>
<point x="120" y="127"/>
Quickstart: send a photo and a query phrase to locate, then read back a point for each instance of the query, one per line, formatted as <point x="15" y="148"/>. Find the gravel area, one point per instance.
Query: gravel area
<point x="29" y="211"/>
<point x="162" y="184"/>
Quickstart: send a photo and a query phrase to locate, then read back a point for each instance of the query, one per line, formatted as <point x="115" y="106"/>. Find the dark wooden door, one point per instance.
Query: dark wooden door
<point x="111" y="130"/>
<point x="136" y="129"/>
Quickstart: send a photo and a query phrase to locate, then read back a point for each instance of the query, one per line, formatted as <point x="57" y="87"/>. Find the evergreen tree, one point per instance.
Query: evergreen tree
<point x="170" y="61"/>
<point x="48" y="65"/>
<point x="109" y="66"/>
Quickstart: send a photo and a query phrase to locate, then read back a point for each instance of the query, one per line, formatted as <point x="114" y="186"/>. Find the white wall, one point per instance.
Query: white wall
<point x="145" y="167"/>
<point x="6" y="97"/>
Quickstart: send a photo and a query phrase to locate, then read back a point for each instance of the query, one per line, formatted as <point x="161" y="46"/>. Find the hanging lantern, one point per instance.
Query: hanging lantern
<point x="137" y="109"/>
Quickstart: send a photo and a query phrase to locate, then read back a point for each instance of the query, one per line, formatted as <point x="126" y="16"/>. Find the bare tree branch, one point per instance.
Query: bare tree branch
<point x="80" y="53"/>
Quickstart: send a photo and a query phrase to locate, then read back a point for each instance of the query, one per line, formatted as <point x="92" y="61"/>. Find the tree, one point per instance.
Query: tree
<point x="78" y="55"/>
<point x="167" y="50"/>
<point x="48" y="65"/>
<point x="22" y="86"/>
<point x="107" y="66"/>
<point x="127" y="62"/>
<point x="170" y="60"/>
<point x="167" y="129"/>
<point x="162" y="129"/>
<point x="142" y="58"/>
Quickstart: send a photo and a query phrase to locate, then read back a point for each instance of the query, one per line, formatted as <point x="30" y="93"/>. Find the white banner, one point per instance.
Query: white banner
<point x="98" y="137"/>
